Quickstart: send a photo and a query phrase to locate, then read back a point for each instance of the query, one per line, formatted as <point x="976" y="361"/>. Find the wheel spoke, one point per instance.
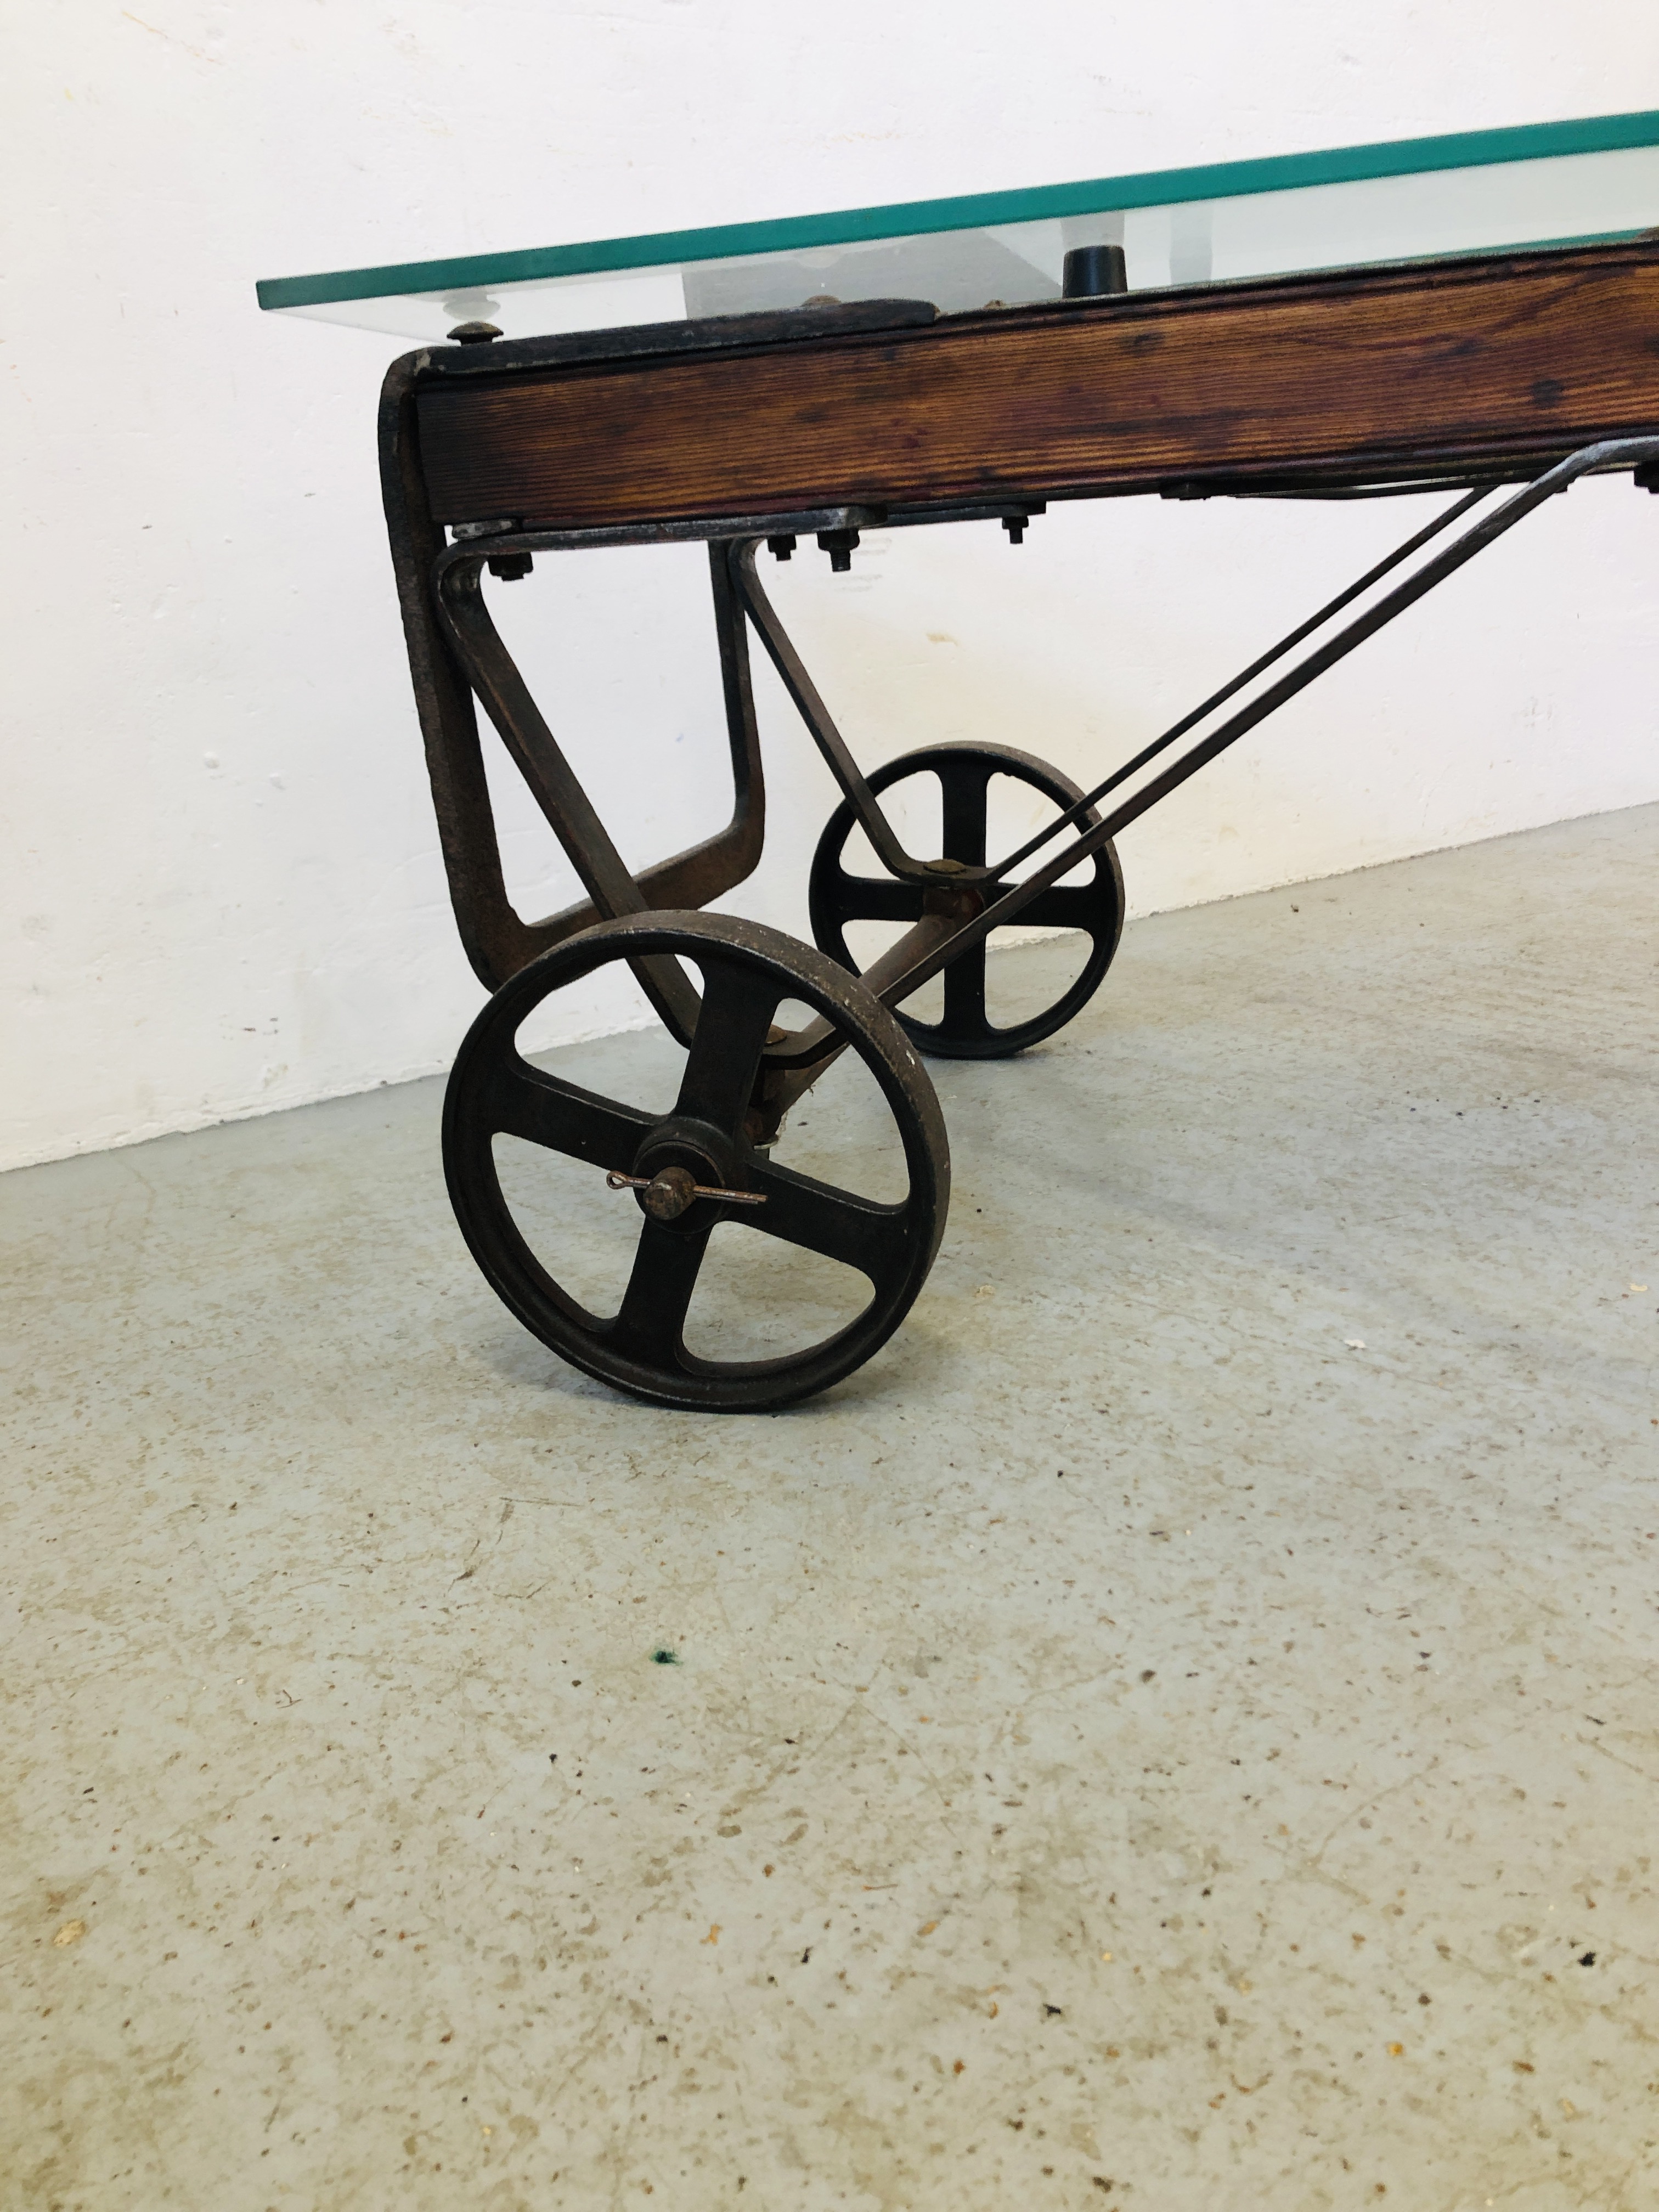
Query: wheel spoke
<point x="524" y="1101"/>
<point x="964" y="791"/>
<point x="964" y="995"/>
<point x="652" y="1320"/>
<point x="877" y="898"/>
<point x="738" y="1003"/>
<point x="1067" y="906"/>
<point x="818" y="1217"/>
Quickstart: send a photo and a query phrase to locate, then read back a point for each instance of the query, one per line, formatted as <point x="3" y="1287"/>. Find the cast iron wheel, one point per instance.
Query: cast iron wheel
<point x="1094" y="906"/>
<point x="702" y="1146"/>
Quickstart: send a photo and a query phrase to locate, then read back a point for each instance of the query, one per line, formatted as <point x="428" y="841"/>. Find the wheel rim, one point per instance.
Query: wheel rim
<point x="747" y="971"/>
<point x="1095" y="907"/>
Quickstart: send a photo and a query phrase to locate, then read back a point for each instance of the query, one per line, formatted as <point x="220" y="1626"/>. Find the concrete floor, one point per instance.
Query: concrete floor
<point x="1178" y="1731"/>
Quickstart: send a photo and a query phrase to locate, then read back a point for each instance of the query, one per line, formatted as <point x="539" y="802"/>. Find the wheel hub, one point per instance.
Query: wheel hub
<point x="675" y="1165"/>
<point x="668" y="1194"/>
<point x="960" y="902"/>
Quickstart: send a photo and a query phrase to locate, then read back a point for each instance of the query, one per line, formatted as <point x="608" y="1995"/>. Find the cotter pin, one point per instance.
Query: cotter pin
<point x="670" y="1190"/>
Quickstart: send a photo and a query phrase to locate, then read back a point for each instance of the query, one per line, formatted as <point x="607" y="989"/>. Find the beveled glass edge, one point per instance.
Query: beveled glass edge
<point x="1467" y="149"/>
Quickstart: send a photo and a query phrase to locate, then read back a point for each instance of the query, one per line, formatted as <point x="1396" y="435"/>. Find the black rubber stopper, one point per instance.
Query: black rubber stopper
<point x="1094" y="272"/>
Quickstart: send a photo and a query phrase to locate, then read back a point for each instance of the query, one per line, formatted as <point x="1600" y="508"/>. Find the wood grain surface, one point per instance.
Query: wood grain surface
<point x="1443" y="365"/>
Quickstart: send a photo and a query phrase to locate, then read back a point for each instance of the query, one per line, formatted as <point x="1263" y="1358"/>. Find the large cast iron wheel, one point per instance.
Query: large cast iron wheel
<point x="965" y="1030"/>
<point x="746" y="971"/>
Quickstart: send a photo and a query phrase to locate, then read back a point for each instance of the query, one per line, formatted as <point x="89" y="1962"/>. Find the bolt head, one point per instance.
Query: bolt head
<point x="668" y="1194"/>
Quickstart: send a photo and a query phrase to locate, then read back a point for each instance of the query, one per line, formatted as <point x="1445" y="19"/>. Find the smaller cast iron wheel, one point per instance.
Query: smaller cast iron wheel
<point x="702" y="1144"/>
<point x="1095" y="906"/>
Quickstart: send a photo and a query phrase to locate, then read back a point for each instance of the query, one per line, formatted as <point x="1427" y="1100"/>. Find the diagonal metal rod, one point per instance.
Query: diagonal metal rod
<point x="1615" y="453"/>
<point x="812" y="711"/>
<point x="1079" y="807"/>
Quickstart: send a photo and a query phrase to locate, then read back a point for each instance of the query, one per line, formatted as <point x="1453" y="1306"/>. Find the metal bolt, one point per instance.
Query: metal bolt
<point x="474" y="333"/>
<point x="838" y="545"/>
<point x="669" y="1193"/>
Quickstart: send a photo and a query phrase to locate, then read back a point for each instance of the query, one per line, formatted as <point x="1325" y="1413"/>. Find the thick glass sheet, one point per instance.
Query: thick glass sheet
<point x="1544" y="184"/>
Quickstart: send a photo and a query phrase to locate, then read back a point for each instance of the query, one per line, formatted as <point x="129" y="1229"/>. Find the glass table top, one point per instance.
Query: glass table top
<point x="1547" y="184"/>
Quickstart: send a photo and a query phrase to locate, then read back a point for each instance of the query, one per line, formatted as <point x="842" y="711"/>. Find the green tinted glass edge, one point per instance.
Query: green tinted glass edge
<point x="1527" y="142"/>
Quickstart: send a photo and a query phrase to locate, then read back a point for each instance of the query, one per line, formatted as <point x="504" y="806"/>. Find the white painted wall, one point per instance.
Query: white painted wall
<point x="220" y="890"/>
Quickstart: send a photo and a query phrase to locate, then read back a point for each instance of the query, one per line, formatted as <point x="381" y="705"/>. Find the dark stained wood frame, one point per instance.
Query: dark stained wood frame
<point x="1496" y="362"/>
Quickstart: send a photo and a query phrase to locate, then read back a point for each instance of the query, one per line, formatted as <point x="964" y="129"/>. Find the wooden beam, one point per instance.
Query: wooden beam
<point x="1444" y="366"/>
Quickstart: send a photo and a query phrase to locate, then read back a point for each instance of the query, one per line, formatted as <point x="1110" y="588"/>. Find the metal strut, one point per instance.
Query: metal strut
<point x="812" y="711"/>
<point x="925" y="962"/>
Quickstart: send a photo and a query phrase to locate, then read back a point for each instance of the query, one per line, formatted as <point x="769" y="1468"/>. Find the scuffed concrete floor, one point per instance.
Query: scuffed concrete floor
<point x="1130" y="1746"/>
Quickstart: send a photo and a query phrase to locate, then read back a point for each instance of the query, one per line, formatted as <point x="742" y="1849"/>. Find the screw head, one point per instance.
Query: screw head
<point x="474" y="333"/>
